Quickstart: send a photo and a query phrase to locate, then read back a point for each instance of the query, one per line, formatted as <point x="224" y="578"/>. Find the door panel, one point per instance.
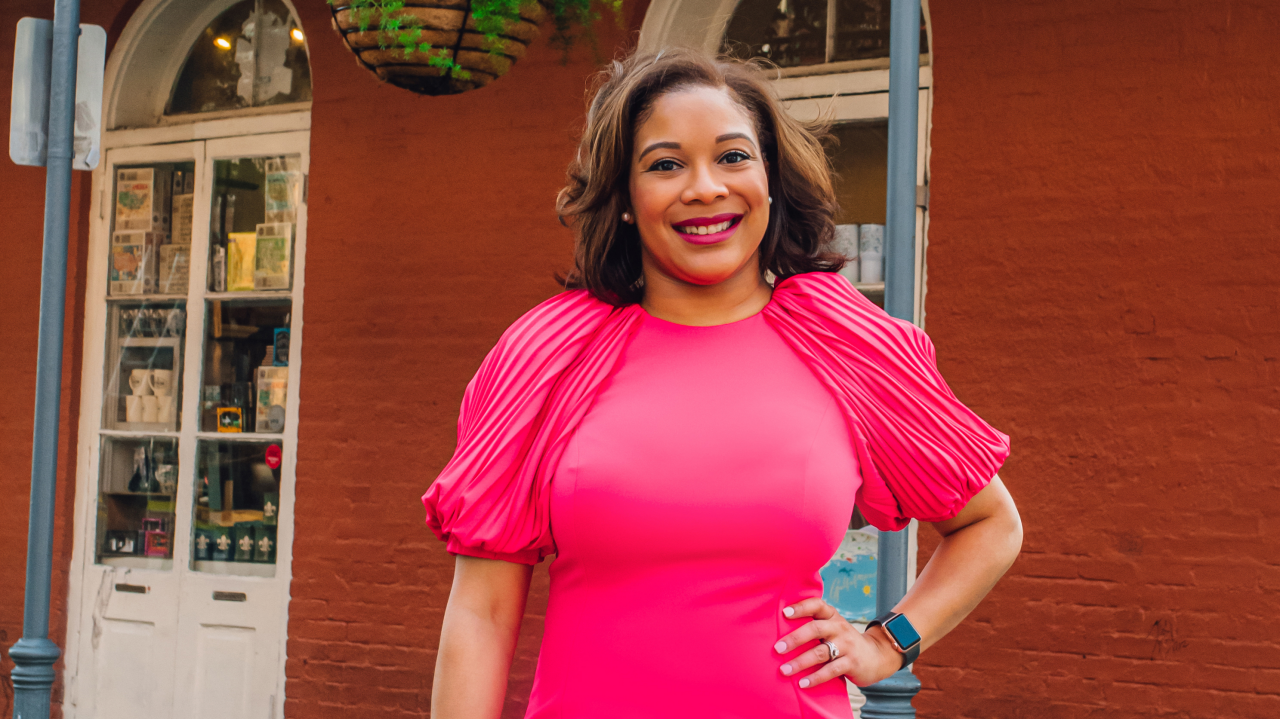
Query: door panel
<point x="168" y="625"/>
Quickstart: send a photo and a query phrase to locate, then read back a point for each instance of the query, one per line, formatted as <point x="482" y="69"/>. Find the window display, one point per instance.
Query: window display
<point x="143" y="382"/>
<point x="246" y="373"/>
<point x="253" y="223"/>
<point x="151" y="230"/>
<point x="237" y="507"/>
<point x="139" y="479"/>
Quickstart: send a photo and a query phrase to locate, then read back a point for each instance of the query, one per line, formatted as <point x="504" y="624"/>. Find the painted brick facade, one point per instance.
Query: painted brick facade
<point x="1102" y="285"/>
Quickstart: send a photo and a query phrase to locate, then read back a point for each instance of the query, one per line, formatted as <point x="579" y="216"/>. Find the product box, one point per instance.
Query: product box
<point x="135" y="199"/>
<point x="183" y="206"/>
<point x="133" y="263"/>
<point x="271" y="256"/>
<point x="245" y="535"/>
<point x="272" y="386"/>
<point x="230" y="419"/>
<point x="241" y="247"/>
<point x="270" y="508"/>
<point x="264" y="549"/>
<point x="203" y="545"/>
<point x="280" y="347"/>
<point x="222" y="548"/>
<point x="175" y="269"/>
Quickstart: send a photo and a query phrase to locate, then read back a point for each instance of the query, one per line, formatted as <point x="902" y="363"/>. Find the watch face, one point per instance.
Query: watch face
<point x="903" y="633"/>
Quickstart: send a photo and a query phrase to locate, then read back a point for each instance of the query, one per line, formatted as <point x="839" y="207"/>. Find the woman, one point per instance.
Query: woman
<point x="708" y="434"/>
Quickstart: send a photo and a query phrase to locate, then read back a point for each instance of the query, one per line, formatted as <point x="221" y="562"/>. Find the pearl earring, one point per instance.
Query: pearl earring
<point x="770" y="199"/>
<point x="626" y="217"/>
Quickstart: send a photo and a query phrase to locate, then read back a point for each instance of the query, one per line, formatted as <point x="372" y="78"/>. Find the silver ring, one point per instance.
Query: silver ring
<point x="831" y="649"/>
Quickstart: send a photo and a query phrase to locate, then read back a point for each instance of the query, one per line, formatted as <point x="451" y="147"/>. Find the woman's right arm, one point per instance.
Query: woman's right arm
<point x="478" y="638"/>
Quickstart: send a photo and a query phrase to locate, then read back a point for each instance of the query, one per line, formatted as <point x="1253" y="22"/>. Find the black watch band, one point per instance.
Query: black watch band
<point x="901" y="633"/>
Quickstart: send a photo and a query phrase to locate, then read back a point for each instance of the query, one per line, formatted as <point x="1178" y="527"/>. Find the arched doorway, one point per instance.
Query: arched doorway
<point x="193" y="327"/>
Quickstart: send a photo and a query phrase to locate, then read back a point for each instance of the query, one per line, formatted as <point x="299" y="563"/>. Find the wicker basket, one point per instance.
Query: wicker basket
<point x="445" y="24"/>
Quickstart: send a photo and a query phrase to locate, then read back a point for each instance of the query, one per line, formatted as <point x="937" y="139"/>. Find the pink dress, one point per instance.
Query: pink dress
<point x="691" y="481"/>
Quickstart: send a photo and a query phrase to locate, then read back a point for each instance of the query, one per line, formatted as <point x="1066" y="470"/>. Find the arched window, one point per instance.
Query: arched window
<point x="795" y="33"/>
<point x="252" y="55"/>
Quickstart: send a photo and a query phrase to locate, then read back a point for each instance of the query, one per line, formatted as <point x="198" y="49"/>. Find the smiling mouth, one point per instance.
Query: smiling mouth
<point x="701" y="229"/>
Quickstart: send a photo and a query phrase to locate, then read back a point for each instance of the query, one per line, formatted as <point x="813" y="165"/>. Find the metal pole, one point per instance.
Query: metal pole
<point x="34" y="655"/>
<point x="892" y="697"/>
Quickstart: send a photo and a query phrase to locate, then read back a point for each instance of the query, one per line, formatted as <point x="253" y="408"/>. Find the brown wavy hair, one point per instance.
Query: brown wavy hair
<point x="801" y="225"/>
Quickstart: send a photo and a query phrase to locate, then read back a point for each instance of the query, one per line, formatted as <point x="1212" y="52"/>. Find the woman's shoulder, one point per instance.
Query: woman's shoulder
<point x="561" y="316"/>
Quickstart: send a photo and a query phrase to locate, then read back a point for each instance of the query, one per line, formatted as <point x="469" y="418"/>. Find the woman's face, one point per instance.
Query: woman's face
<point x="699" y="188"/>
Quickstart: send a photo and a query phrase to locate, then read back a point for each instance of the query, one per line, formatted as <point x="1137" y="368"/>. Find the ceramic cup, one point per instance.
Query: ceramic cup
<point x="140" y="381"/>
<point x="149" y="408"/>
<point x="164" y="408"/>
<point x="161" y="382"/>
<point x="132" y="408"/>
<point x="871" y="253"/>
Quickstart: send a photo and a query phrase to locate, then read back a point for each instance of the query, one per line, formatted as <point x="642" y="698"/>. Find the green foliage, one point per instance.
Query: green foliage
<point x="492" y="18"/>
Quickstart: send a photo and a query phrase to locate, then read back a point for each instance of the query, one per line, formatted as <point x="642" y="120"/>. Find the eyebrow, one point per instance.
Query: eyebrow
<point x="676" y="146"/>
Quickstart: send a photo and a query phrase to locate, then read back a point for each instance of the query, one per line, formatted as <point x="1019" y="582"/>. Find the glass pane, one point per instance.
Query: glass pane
<point x="860" y="158"/>
<point x="151" y="229"/>
<point x="253" y="55"/>
<point x="246" y="366"/>
<point x="254" y="218"/>
<point x="794" y="32"/>
<point x="142" y="389"/>
<point x="138" y="481"/>
<point x="849" y="578"/>
<point x="237" y="506"/>
<point x="788" y="32"/>
<point x="862" y="30"/>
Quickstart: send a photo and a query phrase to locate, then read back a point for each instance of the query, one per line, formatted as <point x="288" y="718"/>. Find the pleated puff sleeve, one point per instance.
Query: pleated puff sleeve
<point x="922" y="454"/>
<point x="492" y="498"/>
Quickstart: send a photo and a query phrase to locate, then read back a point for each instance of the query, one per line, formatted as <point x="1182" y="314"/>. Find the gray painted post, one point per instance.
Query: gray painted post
<point x="34" y="655"/>
<point x="892" y="697"/>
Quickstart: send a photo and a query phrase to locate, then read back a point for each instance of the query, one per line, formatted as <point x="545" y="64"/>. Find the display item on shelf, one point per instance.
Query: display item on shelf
<point x="271" y="256"/>
<point x="241" y="247"/>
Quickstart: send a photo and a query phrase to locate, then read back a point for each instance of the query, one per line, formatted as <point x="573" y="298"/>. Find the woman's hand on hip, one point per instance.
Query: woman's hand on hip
<point x="864" y="658"/>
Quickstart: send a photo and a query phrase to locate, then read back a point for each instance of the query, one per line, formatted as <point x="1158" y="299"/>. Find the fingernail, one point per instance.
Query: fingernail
<point x="789" y="611"/>
<point x="804" y="683"/>
<point x="786" y="668"/>
<point x="780" y="647"/>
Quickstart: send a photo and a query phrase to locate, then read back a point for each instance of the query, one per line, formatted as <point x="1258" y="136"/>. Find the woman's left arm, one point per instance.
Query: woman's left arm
<point x="978" y="546"/>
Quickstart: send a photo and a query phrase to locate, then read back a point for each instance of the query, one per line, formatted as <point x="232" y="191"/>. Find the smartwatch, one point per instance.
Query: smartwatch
<point x="904" y="637"/>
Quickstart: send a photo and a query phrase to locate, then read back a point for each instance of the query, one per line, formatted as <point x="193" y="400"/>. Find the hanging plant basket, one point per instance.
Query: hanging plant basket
<point x="435" y="47"/>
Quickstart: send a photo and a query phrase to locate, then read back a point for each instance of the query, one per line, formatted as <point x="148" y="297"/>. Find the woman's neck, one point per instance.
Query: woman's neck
<point x="735" y="298"/>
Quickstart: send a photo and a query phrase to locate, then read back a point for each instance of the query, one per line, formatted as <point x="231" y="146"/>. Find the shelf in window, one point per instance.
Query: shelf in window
<point x="255" y="295"/>
<point x="141" y="433"/>
<point x="243" y="436"/>
<point x="870" y="288"/>
<point x="146" y="298"/>
<point x="243" y="569"/>
<point x="139" y="494"/>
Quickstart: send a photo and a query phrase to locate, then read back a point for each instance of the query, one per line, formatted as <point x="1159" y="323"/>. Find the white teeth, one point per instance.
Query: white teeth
<point x="706" y="229"/>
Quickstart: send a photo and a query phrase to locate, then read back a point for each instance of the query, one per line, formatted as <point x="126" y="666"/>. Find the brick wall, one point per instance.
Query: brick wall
<point x="431" y="228"/>
<point x="1103" y="286"/>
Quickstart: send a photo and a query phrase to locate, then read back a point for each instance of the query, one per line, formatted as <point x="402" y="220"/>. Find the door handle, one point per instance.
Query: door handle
<point x="133" y="588"/>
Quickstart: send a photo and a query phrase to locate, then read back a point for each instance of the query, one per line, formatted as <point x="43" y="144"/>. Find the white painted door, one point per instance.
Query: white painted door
<point x="189" y="413"/>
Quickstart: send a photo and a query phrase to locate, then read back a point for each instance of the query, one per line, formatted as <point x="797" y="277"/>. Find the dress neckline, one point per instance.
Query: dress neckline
<point x="758" y="315"/>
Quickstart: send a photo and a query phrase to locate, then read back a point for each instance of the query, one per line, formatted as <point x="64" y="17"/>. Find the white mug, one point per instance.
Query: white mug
<point x="149" y="407"/>
<point x="164" y="408"/>
<point x="161" y="382"/>
<point x="132" y="408"/>
<point x="140" y="381"/>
